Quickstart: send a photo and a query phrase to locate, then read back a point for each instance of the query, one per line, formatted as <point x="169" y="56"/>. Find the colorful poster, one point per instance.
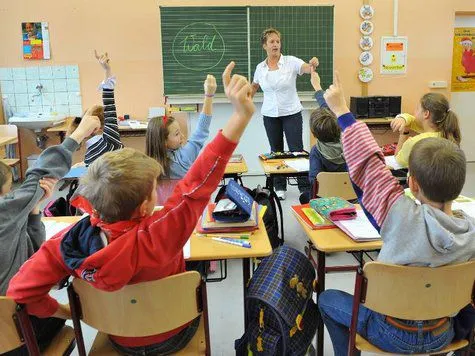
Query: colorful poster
<point x="393" y="55"/>
<point x="35" y="40"/>
<point x="463" y="59"/>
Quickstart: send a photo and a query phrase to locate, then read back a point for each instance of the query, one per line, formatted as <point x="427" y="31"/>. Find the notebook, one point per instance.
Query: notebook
<point x="300" y="164"/>
<point x="359" y="229"/>
<point x="53" y="227"/>
<point x="306" y="214"/>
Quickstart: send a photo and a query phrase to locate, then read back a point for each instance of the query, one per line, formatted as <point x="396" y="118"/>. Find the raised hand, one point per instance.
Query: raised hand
<point x="335" y="97"/>
<point x="104" y="60"/>
<point x="47" y="184"/>
<point x="313" y="62"/>
<point x="239" y="92"/>
<point x="315" y="79"/>
<point x="210" y="85"/>
<point x="398" y="124"/>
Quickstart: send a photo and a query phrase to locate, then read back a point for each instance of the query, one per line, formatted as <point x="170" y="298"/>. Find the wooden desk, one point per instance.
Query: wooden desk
<point x="235" y="168"/>
<point x="377" y="121"/>
<point x="273" y="168"/>
<point x="7" y="140"/>
<point x="205" y="249"/>
<point x="332" y="240"/>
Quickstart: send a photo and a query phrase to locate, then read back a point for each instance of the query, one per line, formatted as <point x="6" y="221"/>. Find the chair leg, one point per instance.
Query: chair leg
<point x="27" y="331"/>
<point x="354" y="315"/>
<point x="204" y="315"/>
<point x="75" y="306"/>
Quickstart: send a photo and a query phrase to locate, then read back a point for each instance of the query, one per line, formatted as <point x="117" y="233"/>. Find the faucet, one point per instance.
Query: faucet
<point x="39" y="87"/>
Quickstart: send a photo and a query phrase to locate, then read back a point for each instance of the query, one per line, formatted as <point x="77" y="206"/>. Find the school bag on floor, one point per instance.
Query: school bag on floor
<point x="282" y="317"/>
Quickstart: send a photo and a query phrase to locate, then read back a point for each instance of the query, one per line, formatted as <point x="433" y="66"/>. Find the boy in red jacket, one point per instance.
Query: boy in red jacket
<point x="123" y="241"/>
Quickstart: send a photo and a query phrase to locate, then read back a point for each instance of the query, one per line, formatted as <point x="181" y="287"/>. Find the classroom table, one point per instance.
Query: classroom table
<point x="277" y="167"/>
<point x="327" y="241"/>
<point x="206" y="249"/>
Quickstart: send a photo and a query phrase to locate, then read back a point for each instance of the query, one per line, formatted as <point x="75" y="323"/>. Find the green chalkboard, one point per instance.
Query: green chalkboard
<point x="307" y="31"/>
<point x="201" y="40"/>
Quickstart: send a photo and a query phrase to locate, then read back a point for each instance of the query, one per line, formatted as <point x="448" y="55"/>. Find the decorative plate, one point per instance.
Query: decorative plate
<point x="366" y="12"/>
<point x="366" y="58"/>
<point x="366" y="27"/>
<point x="366" y="43"/>
<point x="365" y="74"/>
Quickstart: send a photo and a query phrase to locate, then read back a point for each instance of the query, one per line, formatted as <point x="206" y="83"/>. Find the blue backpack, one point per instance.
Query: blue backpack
<point x="281" y="314"/>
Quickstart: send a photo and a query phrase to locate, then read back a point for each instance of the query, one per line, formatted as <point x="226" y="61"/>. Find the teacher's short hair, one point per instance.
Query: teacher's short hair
<point x="267" y="32"/>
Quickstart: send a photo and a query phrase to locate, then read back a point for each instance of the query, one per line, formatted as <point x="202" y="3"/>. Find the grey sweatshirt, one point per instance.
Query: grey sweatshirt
<point x="420" y="235"/>
<point x="22" y="233"/>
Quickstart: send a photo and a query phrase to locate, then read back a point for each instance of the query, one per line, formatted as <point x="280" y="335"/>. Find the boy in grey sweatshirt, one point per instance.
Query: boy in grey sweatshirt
<point x="21" y="229"/>
<point x="429" y="234"/>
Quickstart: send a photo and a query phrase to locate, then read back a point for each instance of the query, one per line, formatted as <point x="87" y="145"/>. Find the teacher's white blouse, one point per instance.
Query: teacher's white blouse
<point x="279" y="86"/>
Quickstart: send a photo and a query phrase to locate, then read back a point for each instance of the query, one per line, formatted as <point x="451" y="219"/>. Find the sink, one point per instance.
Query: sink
<point x="37" y="121"/>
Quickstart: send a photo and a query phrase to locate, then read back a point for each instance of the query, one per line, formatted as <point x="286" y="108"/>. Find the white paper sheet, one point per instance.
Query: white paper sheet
<point x="360" y="228"/>
<point x="468" y="207"/>
<point x="299" y="164"/>
<point x="187" y="250"/>
<point x="53" y="227"/>
<point x="391" y="162"/>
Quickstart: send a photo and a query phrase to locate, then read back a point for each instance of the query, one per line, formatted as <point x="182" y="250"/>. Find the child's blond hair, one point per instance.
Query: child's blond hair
<point x="118" y="182"/>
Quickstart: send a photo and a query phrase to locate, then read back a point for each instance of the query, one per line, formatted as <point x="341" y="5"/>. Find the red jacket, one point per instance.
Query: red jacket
<point x="138" y="250"/>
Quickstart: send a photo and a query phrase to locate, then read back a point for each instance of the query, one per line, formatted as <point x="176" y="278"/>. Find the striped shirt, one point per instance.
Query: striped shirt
<point x="110" y="138"/>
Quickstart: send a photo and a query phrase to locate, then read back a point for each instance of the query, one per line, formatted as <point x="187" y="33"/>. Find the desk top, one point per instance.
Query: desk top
<point x="377" y="121"/>
<point x="236" y="167"/>
<point x="204" y="248"/>
<point x="6" y="140"/>
<point x="335" y="240"/>
<point x="277" y="166"/>
<point x="64" y="127"/>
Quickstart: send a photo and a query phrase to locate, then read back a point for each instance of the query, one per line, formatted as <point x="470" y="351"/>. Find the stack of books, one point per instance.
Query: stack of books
<point x="208" y="224"/>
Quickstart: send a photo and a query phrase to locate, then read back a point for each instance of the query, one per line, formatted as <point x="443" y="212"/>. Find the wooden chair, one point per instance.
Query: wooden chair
<point x="139" y="310"/>
<point x="411" y="293"/>
<point x="12" y="132"/>
<point x="16" y="330"/>
<point x="333" y="184"/>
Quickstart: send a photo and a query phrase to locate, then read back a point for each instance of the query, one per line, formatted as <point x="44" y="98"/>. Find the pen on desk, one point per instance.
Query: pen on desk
<point x="236" y="242"/>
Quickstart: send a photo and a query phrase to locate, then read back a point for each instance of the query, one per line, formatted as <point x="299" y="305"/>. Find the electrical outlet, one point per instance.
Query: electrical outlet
<point x="437" y="84"/>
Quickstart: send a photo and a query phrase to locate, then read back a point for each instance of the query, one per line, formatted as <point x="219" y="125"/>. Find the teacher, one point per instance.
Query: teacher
<point x="281" y="109"/>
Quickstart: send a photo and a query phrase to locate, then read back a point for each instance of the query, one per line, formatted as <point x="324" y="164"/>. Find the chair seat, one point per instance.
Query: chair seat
<point x="10" y="161"/>
<point x="197" y="345"/>
<point x="62" y="344"/>
<point x="363" y="345"/>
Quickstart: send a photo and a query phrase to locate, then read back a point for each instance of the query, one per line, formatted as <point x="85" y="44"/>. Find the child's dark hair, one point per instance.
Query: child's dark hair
<point x="155" y="141"/>
<point x="441" y="116"/>
<point x="323" y="125"/>
<point x="5" y="174"/>
<point x="439" y="167"/>
<point x="266" y="34"/>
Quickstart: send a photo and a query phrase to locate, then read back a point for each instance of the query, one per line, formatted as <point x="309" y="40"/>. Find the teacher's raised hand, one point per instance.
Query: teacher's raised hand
<point x="335" y="97"/>
<point x="313" y="62"/>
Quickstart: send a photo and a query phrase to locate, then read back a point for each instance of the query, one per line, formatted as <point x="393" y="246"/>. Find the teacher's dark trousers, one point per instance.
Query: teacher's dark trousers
<point x="291" y="125"/>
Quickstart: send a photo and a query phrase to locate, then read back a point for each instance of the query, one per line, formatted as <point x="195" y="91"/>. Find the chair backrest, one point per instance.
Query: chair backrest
<point x="8" y="130"/>
<point x="9" y="338"/>
<point x="335" y="184"/>
<point x="141" y="309"/>
<point x="418" y="293"/>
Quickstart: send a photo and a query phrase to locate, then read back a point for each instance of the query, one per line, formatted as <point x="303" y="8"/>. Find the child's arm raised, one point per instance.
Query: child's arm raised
<point x="168" y="230"/>
<point x="375" y="186"/>
<point x="315" y="81"/>
<point x="186" y="155"/>
<point x="110" y="139"/>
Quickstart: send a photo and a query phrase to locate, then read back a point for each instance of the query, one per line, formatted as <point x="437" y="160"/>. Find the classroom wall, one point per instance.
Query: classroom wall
<point x="130" y="32"/>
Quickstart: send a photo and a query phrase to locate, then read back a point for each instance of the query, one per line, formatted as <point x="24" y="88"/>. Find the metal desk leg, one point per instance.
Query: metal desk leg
<point x="320" y="289"/>
<point x="246" y="275"/>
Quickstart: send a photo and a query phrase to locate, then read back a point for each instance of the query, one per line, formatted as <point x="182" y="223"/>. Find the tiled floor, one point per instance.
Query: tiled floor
<point x="225" y="298"/>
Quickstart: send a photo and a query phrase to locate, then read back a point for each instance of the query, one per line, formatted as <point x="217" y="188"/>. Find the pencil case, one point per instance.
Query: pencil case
<point x="334" y="208"/>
